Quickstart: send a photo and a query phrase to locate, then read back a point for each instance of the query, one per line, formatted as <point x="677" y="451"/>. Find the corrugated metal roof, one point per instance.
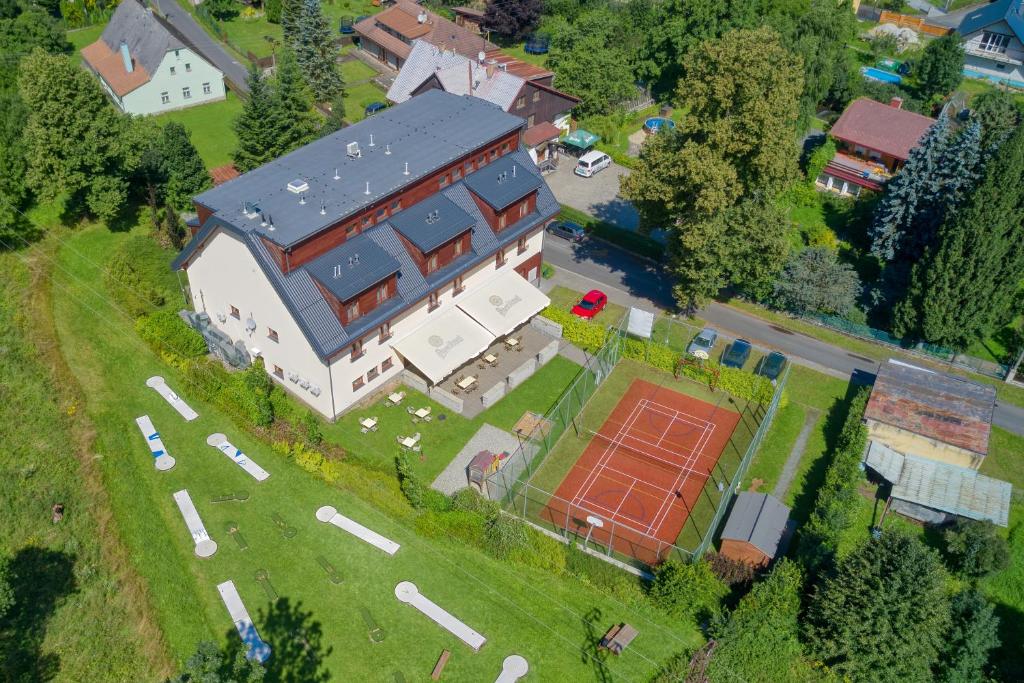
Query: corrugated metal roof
<point x="758" y="519"/>
<point x="352" y="267"/>
<point x="933" y="404"/>
<point x="884" y="460"/>
<point x="426" y="134"/>
<point x="503" y="182"/>
<point x="1010" y="11"/>
<point x="432" y="222"/>
<point x="953" y="489"/>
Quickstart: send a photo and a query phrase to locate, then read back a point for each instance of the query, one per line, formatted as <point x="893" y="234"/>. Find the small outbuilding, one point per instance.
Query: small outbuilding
<point x="755" y="529"/>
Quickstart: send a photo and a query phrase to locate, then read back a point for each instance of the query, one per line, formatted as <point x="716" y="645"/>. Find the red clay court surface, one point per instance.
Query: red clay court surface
<point x="646" y="498"/>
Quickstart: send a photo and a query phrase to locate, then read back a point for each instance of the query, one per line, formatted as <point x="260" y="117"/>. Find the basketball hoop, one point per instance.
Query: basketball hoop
<point x="593" y="522"/>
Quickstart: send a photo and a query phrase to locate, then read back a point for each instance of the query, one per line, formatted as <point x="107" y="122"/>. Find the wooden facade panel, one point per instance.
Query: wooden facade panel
<point x="529" y="264"/>
<point x="540" y="103"/>
<point x="744" y="552"/>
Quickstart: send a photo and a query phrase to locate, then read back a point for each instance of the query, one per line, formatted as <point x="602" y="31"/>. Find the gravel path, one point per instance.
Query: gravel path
<point x="487" y="438"/>
<point x="789" y="469"/>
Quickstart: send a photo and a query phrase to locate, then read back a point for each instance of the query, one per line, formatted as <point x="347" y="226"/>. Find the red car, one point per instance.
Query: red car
<point x="591" y="304"/>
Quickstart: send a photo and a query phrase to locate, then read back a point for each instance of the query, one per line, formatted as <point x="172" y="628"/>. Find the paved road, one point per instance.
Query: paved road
<point x="634" y="282"/>
<point x="590" y="195"/>
<point x="194" y="34"/>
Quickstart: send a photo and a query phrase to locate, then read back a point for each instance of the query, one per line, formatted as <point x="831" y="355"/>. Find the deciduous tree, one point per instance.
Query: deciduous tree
<point x="591" y="65"/>
<point x="687" y="589"/>
<point x="513" y="19"/>
<point x="13" y="192"/>
<point x="941" y="67"/>
<point x="975" y="548"/>
<point x="22" y="33"/>
<point x="210" y="664"/>
<point x="883" y="614"/>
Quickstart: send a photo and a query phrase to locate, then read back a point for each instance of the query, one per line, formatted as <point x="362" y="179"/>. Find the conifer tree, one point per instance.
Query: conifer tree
<point x="336" y="119"/>
<point x="965" y="285"/>
<point x="295" y="103"/>
<point x="186" y="173"/>
<point x="291" y="14"/>
<point x="258" y="126"/>
<point x="316" y="53"/>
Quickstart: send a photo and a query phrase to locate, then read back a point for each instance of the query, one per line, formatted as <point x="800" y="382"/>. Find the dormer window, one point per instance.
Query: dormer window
<point x="458" y="247"/>
<point x="382" y="294"/>
<point x="352" y="311"/>
<point x="432" y="263"/>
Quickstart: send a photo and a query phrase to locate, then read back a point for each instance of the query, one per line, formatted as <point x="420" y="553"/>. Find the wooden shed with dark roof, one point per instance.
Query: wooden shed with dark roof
<point x="755" y="529"/>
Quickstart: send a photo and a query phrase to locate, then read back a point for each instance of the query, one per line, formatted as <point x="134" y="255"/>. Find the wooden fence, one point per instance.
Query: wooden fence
<point x="916" y="23"/>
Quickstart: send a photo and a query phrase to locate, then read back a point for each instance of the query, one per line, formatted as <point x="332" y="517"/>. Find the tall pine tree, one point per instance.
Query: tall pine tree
<point x="316" y="53"/>
<point x="965" y="285"/>
<point x="336" y="119"/>
<point x="295" y="103"/>
<point x="259" y="126"/>
<point x="186" y="174"/>
<point x="291" y="15"/>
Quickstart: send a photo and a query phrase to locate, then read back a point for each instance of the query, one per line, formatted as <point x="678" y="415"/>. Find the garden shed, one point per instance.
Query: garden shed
<point x="755" y="529"/>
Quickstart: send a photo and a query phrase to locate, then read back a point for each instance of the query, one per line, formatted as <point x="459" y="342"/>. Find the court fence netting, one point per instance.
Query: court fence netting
<point x="512" y="485"/>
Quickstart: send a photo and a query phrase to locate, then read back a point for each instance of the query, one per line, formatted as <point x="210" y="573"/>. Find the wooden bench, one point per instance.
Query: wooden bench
<point x="441" y="662"/>
<point x="618" y="638"/>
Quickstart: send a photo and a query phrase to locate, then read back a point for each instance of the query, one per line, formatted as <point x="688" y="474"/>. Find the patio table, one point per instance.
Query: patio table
<point x="368" y="422"/>
<point x="512" y="342"/>
<point x="422" y="412"/>
<point x="467" y="383"/>
<point x="491" y="358"/>
<point x="396" y="397"/>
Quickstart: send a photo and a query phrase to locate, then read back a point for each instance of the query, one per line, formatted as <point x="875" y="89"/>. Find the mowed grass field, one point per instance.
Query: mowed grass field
<point x="211" y="127"/>
<point x="547" y="619"/>
<point x="571" y="445"/>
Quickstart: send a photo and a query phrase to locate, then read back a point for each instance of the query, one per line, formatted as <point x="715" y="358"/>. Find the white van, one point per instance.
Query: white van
<point x="592" y="162"/>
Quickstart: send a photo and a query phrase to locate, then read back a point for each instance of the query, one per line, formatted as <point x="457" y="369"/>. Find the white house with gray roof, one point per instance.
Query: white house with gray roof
<point x="993" y="40"/>
<point x="146" y="68"/>
<point x="411" y="240"/>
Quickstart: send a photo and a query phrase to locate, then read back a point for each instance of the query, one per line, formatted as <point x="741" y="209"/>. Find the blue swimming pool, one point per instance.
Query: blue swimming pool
<point x="657" y="123"/>
<point x="879" y="75"/>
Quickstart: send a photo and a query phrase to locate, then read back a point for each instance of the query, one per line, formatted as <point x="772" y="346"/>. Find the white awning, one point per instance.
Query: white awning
<point x="443" y="343"/>
<point x="503" y="303"/>
<point x="641" y="323"/>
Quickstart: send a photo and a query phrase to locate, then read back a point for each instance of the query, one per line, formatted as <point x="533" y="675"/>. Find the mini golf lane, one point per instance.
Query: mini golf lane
<point x="407" y="592"/>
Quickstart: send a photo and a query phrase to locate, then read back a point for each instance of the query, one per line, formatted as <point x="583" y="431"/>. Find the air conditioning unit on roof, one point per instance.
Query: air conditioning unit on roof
<point x="352" y="149"/>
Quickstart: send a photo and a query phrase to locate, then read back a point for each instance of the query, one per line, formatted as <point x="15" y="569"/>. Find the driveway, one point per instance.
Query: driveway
<point x="597" y="195"/>
<point x="194" y="35"/>
<point x="634" y="282"/>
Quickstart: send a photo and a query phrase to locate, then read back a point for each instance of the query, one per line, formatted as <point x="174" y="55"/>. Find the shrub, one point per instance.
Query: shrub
<point x="543" y="552"/>
<point x="975" y="549"/>
<point x="729" y="571"/>
<point x="469" y="500"/>
<point x="311" y="425"/>
<point x="459" y="525"/>
<point x="165" y="331"/>
<point x="408" y="481"/>
<point x="133" y="275"/>
<point x="818" y="159"/>
<point x="687" y="590"/>
<point x="435" y="500"/>
<point x="505" y="537"/>
<point x="547" y="271"/>
<point x="626" y="588"/>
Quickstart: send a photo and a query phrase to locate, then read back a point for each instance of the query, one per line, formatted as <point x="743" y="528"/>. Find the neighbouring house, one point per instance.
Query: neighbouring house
<point x="407" y="244"/>
<point x="936" y="492"/>
<point x="873" y="141"/>
<point x="518" y="88"/>
<point x="929" y="414"/>
<point x="993" y="40"/>
<point x="469" y="17"/>
<point x="388" y="35"/>
<point x="146" y="68"/>
<point x="755" y="529"/>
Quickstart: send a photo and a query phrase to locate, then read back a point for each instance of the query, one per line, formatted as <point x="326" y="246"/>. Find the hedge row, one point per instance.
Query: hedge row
<point x="835" y="507"/>
<point x="133" y="275"/>
<point x="166" y="331"/>
<point x="590" y="337"/>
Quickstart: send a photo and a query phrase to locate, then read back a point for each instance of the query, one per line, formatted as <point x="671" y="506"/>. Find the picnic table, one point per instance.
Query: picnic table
<point x="618" y="638"/>
<point x="422" y="412"/>
<point x="467" y="382"/>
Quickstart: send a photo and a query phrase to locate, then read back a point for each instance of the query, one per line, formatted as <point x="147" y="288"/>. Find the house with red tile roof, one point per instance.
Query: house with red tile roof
<point x="873" y="141"/>
<point x="146" y="68"/>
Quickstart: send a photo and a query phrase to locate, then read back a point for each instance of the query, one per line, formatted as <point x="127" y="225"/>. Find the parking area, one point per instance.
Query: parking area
<point x="597" y="195"/>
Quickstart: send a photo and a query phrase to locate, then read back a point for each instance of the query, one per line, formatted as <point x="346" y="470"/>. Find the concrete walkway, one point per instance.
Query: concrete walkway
<point x="793" y="461"/>
<point x="487" y="438"/>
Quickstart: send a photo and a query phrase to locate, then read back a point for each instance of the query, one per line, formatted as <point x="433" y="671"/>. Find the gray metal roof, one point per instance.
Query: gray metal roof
<point x="957" y="490"/>
<point x="1010" y="11"/>
<point x="314" y="315"/>
<point x="424" y="133"/>
<point x="148" y="40"/>
<point x="432" y="222"/>
<point x="758" y="519"/>
<point x="503" y="182"/>
<point x="352" y="267"/>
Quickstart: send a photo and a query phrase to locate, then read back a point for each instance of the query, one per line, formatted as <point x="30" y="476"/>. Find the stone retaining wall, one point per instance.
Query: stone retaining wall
<point x="548" y="327"/>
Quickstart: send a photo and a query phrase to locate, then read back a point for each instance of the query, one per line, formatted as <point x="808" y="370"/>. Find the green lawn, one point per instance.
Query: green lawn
<point x="531" y="612"/>
<point x="358" y="96"/>
<point x="80" y="37"/>
<point x="211" y="127"/>
<point x="354" y="70"/>
<point x="443" y="439"/>
<point x="251" y="34"/>
<point x="565" y="298"/>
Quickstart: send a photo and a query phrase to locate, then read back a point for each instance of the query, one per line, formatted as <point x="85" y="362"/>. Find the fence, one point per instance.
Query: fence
<point x="513" y="485"/>
<point x="915" y="23"/>
<point x="929" y="351"/>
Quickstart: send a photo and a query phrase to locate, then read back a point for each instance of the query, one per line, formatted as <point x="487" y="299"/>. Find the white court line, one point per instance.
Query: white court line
<point x="663" y="513"/>
<point x="616" y="442"/>
<point x="579" y="496"/>
<point x="624" y="497"/>
<point x="675" y="482"/>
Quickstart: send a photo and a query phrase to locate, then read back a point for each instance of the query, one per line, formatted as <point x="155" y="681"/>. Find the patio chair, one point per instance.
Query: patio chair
<point x="427" y="418"/>
<point x="363" y="430"/>
<point x="410" y="410"/>
<point x="417" y="448"/>
<point x="415" y="420"/>
<point x="416" y="436"/>
<point x="482" y="365"/>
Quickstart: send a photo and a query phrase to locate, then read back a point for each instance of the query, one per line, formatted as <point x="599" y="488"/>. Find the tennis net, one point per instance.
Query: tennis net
<point x="666" y="459"/>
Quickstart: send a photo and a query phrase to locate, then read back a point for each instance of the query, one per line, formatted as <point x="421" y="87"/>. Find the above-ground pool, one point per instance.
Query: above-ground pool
<point x="879" y="75"/>
<point x="657" y="123"/>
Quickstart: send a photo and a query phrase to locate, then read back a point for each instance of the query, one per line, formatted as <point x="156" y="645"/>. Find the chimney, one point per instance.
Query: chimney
<point x="422" y="17"/>
<point x="126" y="58"/>
<point x="896" y="102"/>
<point x="490" y="71"/>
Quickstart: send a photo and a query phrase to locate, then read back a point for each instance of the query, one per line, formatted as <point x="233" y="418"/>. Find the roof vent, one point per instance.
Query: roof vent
<point x="371" y="140"/>
<point x="481" y="56"/>
<point x="352" y="149"/>
<point x="323" y="209"/>
<point x="250" y="209"/>
<point x="367" y="190"/>
<point x="513" y="170"/>
<point x="298" y="186"/>
<point x="302" y="199"/>
<point x="433" y="217"/>
<point x="357" y="259"/>
<point x="336" y="176"/>
<point x="406" y="171"/>
<point x="387" y="149"/>
<point x="502" y="176"/>
<point x="337" y="272"/>
<point x="503" y="66"/>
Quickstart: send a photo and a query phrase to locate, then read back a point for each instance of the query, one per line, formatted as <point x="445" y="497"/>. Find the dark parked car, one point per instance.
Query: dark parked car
<point x="567" y="230"/>
<point x="592" y="303"/>
<point x="373" y="108"/>
<point x="737" y="354"/>
<point x="772" y="365"/>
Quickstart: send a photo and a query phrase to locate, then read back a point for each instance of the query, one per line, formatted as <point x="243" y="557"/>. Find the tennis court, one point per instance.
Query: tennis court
<point x="643" y="470"/>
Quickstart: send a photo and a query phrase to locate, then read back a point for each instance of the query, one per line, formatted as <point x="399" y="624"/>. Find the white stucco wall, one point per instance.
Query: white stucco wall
<point x="1006" y="68"/>
<point x="223" y="273"/>
<point x="147" y="98"/>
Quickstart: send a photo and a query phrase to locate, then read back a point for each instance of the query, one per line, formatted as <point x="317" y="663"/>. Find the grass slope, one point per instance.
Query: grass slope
<point x="211" y="127"/>
<point x="78" y="613"/>
<point x="551" y="621"/>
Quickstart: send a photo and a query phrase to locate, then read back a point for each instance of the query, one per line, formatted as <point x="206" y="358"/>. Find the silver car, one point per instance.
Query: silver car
<point x="702" y="344"/>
